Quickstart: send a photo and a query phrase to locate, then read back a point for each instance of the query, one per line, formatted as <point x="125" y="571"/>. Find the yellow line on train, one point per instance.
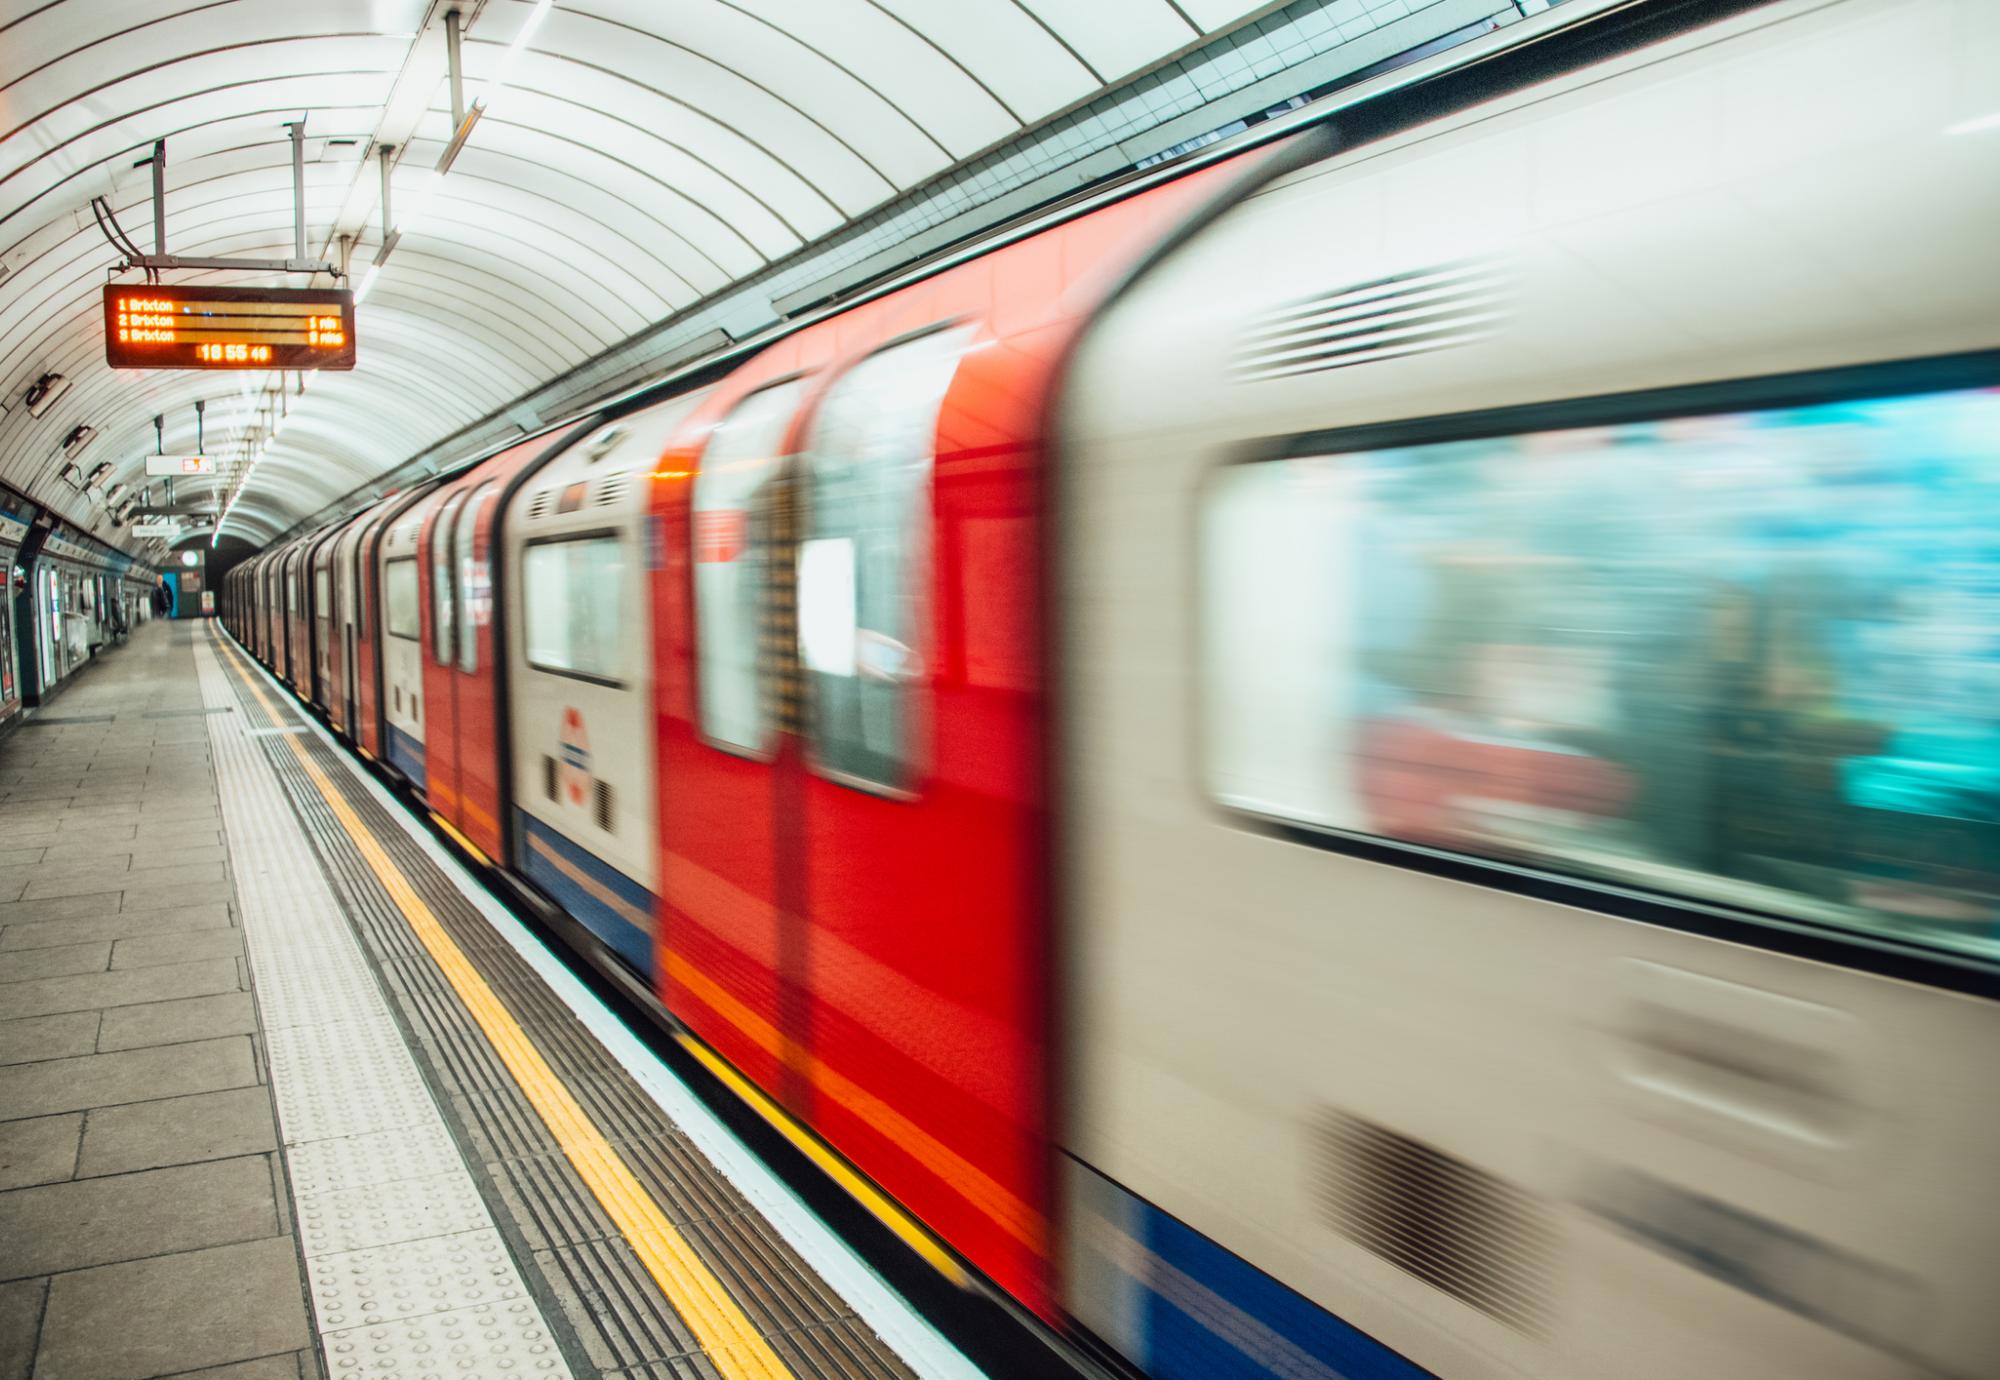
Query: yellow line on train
<point x="725" y="1334"/>
<point x="461" y="840"/>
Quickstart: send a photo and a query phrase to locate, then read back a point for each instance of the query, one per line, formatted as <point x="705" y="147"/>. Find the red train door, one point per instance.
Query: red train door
<point x="477" y="678"/>
<point x="463" y="681"/>
<point x="918" y="773"/>
<point x="719" y="960"/>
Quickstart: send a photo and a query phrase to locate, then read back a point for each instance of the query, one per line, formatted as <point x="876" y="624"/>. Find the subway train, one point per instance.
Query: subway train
<point x="1374" y="755"/>
<point x="67" y="595"/>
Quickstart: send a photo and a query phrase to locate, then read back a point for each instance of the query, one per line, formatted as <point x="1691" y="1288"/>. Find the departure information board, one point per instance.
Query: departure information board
<point x="156" y="327"/>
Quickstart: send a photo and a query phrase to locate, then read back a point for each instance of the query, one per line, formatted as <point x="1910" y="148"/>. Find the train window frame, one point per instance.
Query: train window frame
<point x="465" y="541"/>
<point x="388" y="622"/>
<point x="364" y="576"/>
<point x="1894" y="955"/>
<point x="618" y="539"/>
<point x="346" y="586"/>
<point x="916" y="699"/>
<point x="444" y="592"/>
<point x="766" y="751"/>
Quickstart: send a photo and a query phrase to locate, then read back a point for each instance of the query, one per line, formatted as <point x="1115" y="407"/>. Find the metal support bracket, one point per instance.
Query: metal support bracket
<point x="160" y="259"/>
<point x="160" y="197"/>
<point x="389" y="236"/>
<point x="454" y="32"/>
<point x="298" y="129"/>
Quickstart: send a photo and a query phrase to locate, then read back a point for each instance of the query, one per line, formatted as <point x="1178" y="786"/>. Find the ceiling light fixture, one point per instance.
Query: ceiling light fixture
<point x="497" y="83"/>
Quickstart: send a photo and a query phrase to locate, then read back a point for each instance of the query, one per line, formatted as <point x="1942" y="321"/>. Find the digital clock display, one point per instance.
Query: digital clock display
<point x="156" y="327"/>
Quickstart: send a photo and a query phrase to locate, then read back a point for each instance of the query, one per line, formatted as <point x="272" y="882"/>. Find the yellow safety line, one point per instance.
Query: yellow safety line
<point x="835" y="1168"/>
<point x="725" y="1334"/>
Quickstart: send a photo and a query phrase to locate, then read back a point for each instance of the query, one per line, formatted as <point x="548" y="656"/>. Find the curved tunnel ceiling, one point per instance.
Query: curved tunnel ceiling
<point x="641" y="157"/>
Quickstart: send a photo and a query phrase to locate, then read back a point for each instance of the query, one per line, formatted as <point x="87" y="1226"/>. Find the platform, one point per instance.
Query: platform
<point x="284" y="1092"/>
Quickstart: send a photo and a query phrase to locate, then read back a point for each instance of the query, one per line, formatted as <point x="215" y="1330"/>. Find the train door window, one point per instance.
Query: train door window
<point x="1747" y="658"/>
<point x="444" y="597"/>
<point x="349" y="604"/>
<point x="730" y="562"/>
<point x="863" y="568"/>
<point x="360" y="605"/>
<point x="401" y="607"/>
<point x="322" y="594"/>
<point x="475" y="591"/>
<point x="575" y="606"/>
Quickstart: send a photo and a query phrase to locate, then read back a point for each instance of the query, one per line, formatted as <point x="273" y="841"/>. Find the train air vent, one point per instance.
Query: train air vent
<point x="601" y="806"/>
<point x="539" y="507"/>
<point x="1404" y="314"/>
<point x="611" y="489"/>
<point x="1455" y="1227"/>
<point x="548" y="776"/>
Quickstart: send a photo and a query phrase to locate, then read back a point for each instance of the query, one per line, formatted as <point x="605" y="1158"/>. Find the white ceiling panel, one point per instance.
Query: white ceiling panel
<point x="1116" y="37"/>
<point x="643" y="157"/>
<point x="1005" y="49"/>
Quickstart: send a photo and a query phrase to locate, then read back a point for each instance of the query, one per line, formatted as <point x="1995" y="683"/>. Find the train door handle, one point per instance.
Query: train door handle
<point x="1756" y="1070"/>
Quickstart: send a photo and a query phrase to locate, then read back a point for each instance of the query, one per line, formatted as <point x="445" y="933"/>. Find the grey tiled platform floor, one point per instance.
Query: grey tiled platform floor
<point x="144" y="1225"/>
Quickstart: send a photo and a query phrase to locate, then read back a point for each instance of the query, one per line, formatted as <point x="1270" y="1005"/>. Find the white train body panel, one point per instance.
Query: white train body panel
<point x="580" y="676"/>
<point x="399" y="636"/>
<point x="1772" y="195"/>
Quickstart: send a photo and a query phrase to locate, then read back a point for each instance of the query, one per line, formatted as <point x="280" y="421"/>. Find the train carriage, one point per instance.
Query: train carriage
<point x="467" y="780"/>
<point x="577" y="541"/>
<point x="1412" y="589"/>
<point x="1363" y="760"/>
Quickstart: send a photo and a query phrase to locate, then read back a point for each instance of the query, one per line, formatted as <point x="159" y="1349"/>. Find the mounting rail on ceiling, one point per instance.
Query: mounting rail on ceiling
<point x="159" y="259"/>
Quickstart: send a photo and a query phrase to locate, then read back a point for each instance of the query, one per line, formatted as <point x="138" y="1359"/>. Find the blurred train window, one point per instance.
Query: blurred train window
<point x="1750" y="658"/>
<point x="399" y="599"/>
<point x="731" y="540"/>
<point x="322" y="594"/>
<point x="444" y="591"/>
<point x="349" y="605"/>
<point x="862" y="568"/>
<point x="475" y="593"/>
<point x="575" y="591"/>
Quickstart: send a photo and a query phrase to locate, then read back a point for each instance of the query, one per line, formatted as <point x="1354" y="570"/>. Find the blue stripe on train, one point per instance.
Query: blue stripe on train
<point x="406" y="754"/>
<point x="1181" y="1341"/>
<point x="1182" y="1307"/>
<point x="551" y="862"/>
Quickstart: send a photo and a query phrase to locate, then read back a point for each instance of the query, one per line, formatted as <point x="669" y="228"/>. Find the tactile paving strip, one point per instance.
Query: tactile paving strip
<point x="380" y="1157"/>
<point x="351" y="1219"/>
<point x="491" y="1340"/>
<point x="379" y="1285"/>
<point x="384" y="1202"/>
<point x="619" y="1315"/>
